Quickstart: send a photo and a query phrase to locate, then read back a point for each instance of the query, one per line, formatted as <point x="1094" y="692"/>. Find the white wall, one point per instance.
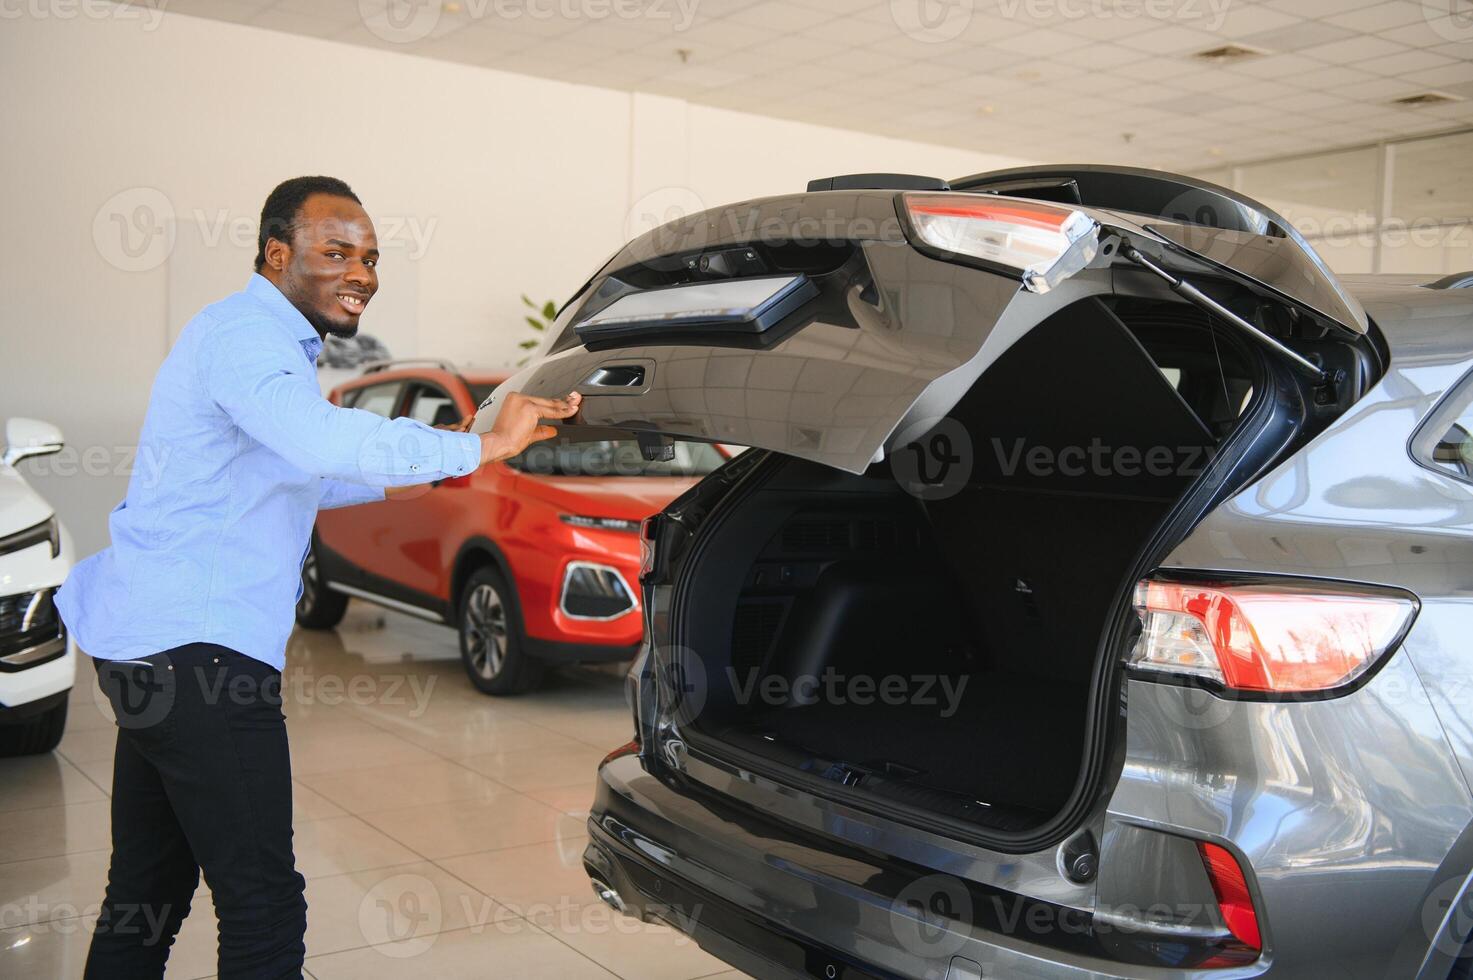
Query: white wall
<point x="491" y="184"/>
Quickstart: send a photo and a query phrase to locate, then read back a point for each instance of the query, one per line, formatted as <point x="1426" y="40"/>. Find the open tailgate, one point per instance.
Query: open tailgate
<point x="893" y="326"/>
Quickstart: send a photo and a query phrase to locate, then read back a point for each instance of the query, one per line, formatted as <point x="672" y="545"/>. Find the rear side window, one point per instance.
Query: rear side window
<point x="432" y="406"/>
<point x="1445" y="440"/>
<point x="378" y="399"/>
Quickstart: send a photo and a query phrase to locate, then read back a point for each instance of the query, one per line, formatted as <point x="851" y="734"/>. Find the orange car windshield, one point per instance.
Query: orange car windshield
<point x="615" y="458"/>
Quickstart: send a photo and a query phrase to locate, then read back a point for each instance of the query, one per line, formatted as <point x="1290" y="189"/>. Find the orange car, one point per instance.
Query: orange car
<point x="534" y="560"/>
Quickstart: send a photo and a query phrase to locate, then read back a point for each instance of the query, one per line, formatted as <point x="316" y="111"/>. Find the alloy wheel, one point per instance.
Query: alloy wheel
<point x="311" y="584"/>
<point x="486" y="631"/>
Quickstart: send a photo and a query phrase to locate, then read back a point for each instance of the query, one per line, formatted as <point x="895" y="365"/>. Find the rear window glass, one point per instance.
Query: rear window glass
<point x="1445" y="440"/>
<point x="615" y="458"/>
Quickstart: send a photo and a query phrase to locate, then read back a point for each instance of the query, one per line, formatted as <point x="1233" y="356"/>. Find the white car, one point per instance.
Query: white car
<point x="37" y="659"/>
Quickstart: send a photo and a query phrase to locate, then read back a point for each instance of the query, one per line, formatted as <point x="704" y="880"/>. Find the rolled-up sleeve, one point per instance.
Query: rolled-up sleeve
<point x="263" y="383"/>
<point x="340" y="493"/>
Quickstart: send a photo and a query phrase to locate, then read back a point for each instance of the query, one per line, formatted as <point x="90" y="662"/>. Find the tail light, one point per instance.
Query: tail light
<point x="649" y="529"/>
<point x="628" y="748"/>
<point x="1042" y="243"/>
<point x="1267" y="637"/>
<point x="1233" y="898"/>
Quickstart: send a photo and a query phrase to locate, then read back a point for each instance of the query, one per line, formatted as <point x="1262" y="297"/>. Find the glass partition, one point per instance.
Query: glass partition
<point x="1402" y="206"/>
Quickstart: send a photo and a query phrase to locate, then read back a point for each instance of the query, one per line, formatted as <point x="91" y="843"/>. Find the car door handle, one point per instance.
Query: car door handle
<point x="616" y="376"/>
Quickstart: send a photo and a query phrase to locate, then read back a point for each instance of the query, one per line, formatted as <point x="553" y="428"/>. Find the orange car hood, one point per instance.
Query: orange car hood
<point x="630" y="497"/>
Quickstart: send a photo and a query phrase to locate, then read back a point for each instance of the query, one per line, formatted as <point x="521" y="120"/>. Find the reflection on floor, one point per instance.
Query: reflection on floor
<point x="440" y="831"/>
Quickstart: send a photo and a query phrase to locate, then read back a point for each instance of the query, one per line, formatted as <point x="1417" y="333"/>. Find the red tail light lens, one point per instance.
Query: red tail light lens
<point x="1270" y="637"/>
<point x="1233" y="898"/>
<point x="628" y="748"/>
<point x="1043" y="243"/>
<point x="649" y="528"/>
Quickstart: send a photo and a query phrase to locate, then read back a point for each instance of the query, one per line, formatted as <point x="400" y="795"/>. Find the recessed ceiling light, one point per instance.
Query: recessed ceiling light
<point x="1226" y="53"/>
<point x="1425" y="99"/>
<point x="450" y="7"/>
<point x="1215" y="151"/>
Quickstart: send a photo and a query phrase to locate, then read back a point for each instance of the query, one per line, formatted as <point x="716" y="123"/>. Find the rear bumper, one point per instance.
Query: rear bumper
<point x="776" y="902"/>
<point x="1356" y="859"/>
<point x="721" y="929"/>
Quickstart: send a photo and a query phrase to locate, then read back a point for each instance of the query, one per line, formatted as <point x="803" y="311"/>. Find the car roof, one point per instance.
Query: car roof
<point x="485" y="377"/>
<point x="427" y="373"/>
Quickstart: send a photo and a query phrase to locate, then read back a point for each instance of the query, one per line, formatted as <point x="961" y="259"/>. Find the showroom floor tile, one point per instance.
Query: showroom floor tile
<point x="441" y="832"/>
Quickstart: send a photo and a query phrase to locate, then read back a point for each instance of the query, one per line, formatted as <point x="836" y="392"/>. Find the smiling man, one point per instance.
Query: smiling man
<point x="187" y="613"/>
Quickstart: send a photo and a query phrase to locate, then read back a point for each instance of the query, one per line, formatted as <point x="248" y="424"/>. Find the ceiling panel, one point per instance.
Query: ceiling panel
<point x="1087" y="79"/>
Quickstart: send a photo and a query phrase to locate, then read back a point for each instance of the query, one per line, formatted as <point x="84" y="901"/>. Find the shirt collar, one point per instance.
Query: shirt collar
<point x="264" y="291"/>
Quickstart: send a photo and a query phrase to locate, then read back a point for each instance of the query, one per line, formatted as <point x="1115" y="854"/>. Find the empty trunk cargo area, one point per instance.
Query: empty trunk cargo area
<point x="934" y="643"/>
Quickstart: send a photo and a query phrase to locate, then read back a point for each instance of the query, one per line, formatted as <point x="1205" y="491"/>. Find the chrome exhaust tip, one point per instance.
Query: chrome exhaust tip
<point x="607" y="895"/>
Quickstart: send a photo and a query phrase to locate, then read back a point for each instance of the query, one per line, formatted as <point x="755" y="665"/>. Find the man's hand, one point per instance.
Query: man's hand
<point x="519" y="423"/>
<point x="517" y="426"/>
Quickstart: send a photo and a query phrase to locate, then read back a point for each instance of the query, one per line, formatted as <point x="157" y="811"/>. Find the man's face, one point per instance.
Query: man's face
<point x="329" y="270"/>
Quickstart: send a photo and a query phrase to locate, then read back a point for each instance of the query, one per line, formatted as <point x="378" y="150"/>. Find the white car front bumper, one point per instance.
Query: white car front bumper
<point x="26" y="572"/>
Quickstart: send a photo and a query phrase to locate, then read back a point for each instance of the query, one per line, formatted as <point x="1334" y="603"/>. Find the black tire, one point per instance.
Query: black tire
<point x="319" y="608"/>
<point x="34" y="736"/>
<point x="493" y="647"/>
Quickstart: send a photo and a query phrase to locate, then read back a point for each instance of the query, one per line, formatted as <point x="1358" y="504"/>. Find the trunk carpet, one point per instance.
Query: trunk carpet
<point x="1013" y="742"/>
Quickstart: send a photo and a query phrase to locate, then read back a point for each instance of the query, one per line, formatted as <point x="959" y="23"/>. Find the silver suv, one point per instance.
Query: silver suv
<point x="1094" y="602"/>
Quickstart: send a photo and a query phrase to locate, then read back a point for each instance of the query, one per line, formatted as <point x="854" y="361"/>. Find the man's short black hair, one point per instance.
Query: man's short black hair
<point x="279" y="215"/>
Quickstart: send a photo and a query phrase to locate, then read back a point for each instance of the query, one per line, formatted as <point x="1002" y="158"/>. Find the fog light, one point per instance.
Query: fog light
<point x="593" y="591"/>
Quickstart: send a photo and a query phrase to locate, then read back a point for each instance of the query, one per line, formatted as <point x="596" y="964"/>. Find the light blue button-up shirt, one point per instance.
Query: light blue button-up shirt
<point x="207" y="545"/>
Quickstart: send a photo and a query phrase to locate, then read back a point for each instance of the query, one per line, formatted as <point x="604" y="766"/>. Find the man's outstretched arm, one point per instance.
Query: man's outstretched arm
<point x="274" y="399"/>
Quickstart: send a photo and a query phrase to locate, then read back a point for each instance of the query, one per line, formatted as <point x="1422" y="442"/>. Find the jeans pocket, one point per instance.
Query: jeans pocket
<point x="143" y="695"/>
<point x="256" y="722"/>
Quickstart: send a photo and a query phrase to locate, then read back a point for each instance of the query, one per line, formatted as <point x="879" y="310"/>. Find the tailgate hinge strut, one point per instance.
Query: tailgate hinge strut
<point x="1195" y="296"/>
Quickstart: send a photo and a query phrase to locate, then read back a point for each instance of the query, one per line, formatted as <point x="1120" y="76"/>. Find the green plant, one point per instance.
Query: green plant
<point x="546" y="313"/>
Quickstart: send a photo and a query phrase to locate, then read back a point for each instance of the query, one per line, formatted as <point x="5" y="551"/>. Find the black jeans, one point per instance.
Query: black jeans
<point x="201" y="781"/>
